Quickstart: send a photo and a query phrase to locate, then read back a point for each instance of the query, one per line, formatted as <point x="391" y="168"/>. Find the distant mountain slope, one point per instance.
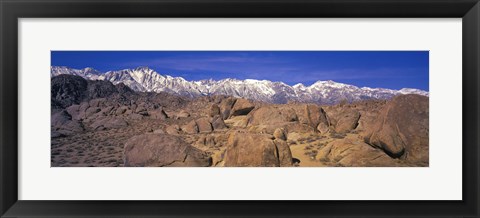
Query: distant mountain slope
<point x="145" y="79"/>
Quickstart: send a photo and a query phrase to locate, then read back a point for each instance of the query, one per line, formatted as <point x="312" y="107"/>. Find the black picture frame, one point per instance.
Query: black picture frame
<point x="12" y="10"/>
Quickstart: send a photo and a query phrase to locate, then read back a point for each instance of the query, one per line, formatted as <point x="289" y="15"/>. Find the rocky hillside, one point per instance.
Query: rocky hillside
<point x="97" y="123"/>
<point x="144" y="79"/>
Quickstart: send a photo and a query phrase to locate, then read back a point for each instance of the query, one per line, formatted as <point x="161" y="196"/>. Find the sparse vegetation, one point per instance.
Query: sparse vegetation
<point x="337" y="135"/>
<point x="117" y="114"/>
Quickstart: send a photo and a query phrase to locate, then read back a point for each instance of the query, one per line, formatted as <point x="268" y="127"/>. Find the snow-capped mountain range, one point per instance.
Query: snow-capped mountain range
<point x="144" y="79"/>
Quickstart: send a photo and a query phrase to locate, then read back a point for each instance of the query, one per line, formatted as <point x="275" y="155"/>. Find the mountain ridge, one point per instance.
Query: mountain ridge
<point x="145" y="79"/>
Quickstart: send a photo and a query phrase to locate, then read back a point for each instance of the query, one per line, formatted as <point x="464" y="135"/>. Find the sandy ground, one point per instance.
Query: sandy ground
<point x="105" y="148"/>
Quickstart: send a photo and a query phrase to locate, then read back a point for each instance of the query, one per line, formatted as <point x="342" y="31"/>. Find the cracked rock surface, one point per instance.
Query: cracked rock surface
<point x="98" y="124"/>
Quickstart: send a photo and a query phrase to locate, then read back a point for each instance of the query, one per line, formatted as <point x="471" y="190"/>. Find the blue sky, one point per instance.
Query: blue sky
<point x="376" y="69"/>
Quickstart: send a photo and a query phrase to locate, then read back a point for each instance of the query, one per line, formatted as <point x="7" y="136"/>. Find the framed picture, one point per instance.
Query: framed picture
<point x="228" y="108"/>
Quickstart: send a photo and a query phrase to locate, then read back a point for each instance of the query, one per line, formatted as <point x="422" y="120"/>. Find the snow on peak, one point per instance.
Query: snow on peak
<point x="143" y="68"/>
<point x="299" y="86"/>
<point x="321" y="83"/>
<point x="145" y="79"/>
<point x="406" y="91"/>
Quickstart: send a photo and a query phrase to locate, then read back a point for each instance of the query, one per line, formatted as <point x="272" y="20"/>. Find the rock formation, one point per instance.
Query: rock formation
<point x="96" y="123"/>
<point x="158" y="150"/>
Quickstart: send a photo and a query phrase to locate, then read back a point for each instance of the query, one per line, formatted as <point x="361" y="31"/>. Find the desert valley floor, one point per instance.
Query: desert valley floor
<point x="98" y="124"/>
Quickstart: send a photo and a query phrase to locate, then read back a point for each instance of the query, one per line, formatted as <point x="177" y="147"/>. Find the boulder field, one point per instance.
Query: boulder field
<point x="96" y="123"/>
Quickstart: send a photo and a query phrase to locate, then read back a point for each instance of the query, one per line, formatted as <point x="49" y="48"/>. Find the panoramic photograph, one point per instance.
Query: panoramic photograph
<point x="239" y="108"/>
